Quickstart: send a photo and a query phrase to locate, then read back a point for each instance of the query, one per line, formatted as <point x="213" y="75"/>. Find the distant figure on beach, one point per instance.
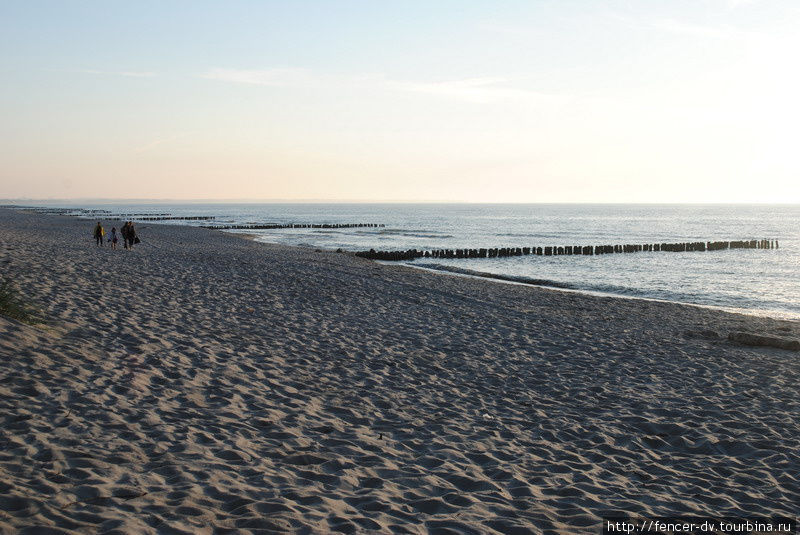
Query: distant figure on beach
<point x="124" y="232"/>
<point x="132" y="234"/>
<point x="99" y="233"/>
<point x="129" y="235"/>
<point x="113" y="238"/>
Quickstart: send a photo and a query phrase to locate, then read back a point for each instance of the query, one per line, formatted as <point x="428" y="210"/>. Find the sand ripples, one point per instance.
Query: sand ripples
<point x="215" y="385"/>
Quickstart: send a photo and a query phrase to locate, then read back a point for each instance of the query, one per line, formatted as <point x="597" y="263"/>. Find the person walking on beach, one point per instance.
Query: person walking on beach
<point x="113" y="238"/>
<point x="126" y="235"/>
<point x="124" y="232"/>
<point x="129" y="235"/>
<point x="99" y="233"/>
<point x="132" y="238"/>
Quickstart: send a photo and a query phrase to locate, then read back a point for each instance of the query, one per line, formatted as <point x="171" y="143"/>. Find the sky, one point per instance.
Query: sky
<point x="452" y="100"/>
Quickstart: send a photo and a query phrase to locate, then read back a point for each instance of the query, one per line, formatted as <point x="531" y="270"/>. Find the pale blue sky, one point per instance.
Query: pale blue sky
<point x="461" y="101"/>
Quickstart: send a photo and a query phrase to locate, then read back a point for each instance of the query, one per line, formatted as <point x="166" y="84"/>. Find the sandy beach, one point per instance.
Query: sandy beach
<point x="205" y="383"/>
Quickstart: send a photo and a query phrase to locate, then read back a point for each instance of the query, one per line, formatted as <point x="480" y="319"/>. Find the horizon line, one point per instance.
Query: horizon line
<point x="363" y="201"/>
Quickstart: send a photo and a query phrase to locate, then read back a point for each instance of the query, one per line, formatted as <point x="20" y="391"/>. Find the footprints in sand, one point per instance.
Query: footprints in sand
<point x="283" y="393"/>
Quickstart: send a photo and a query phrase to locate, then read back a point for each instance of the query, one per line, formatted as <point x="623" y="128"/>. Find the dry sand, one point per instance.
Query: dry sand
<point x="205" y="383"/>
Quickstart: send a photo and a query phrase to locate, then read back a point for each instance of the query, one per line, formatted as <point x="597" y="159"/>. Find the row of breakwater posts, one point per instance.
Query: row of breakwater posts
<point x="166" y="218"/>
<point x="294" y="225"/>
<point x="587" y="250"/>
<point x="107" y="214"/>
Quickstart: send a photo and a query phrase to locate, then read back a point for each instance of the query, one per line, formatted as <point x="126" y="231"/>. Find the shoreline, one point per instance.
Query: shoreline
<point x="512" y="279"/>
<point x="623" y="292"/>
<point x="201" y="383"/>
<point x="527" y="281"/>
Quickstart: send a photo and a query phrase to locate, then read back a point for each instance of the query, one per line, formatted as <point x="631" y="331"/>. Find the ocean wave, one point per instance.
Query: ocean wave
<point x="711" y="298"/>
<point x="540" y="235"/>
<point x="413" y="233"/>
<point x="484" y="274"/>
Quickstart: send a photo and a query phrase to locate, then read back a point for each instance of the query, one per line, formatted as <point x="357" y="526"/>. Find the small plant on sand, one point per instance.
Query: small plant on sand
<point x="12" y="305"/>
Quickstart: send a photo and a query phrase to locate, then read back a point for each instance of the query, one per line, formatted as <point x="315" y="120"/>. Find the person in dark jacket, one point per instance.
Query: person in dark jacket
<point x="125" y="231"/>
<point x="132" y="235"/>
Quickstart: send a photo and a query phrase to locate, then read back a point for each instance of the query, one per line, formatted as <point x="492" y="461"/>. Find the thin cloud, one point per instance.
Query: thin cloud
<point x="475" y="90"/>
<point x="288" y="77"/>
<point x="507" y="29"/>
<point x="739" y="3"/>
<point x="134" y="74"/>
<point x="478" y="90"/>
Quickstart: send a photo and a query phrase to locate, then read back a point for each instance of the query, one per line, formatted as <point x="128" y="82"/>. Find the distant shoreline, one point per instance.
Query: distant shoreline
<point x="564" y="287"/>
<point x="78" y="201"/>
<point x="543" y="282"/>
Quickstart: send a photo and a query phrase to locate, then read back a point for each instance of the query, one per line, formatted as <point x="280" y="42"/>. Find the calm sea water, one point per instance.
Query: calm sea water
<point x="757" y="281"/>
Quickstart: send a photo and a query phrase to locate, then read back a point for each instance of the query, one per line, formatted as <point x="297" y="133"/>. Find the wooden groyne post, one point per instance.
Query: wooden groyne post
<point x="590" y="250"/>
<point x="295" y="225"/>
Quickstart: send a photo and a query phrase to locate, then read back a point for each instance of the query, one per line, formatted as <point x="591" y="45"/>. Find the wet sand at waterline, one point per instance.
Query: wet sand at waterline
<point x="206" y="383"/>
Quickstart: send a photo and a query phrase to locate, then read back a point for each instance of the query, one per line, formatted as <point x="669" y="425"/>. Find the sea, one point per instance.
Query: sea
<point x="755" y="281"/>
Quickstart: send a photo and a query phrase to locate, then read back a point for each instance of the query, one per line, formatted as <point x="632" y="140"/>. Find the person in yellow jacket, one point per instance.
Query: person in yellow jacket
<point x="99" y="232"/>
